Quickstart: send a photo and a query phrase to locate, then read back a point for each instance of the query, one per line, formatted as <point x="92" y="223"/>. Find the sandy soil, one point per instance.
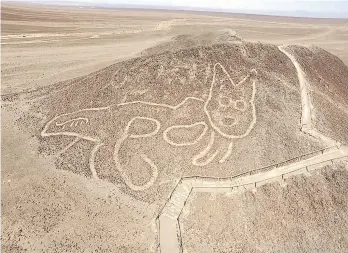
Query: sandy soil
<point x="45" y="210"/>
<point x="103" y="111"/>
<point x="328" y="91"/>
<point x="161" y="82"/>
<point x="44" y="45"/>
<point x="308" y="215"/>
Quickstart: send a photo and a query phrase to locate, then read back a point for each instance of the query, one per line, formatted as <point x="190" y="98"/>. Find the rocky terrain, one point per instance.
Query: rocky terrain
<point x="308" y="215"/>
<point x="179" y="148"/>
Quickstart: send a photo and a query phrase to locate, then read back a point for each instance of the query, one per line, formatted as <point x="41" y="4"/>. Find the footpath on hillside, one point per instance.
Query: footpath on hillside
<point x="168" y="219"/>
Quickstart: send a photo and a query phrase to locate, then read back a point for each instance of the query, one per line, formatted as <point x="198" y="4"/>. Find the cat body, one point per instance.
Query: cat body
<point x="227" y="114"/>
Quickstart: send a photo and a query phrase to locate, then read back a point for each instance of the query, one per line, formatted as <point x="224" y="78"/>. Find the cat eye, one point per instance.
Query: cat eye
<point x="240" y="105"/>
<point x="225" y="101"/>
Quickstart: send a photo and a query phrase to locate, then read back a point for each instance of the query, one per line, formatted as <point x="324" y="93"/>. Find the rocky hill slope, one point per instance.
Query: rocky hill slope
<point x="212" y="111"/>
<point x="211" y="108"/>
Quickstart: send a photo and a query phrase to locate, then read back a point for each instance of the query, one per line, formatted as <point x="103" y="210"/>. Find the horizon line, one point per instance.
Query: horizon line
<point x="256" y="12"/>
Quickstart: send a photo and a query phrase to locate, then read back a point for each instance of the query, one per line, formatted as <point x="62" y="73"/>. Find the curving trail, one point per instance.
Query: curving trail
<point x="168" y="219"/>
<point x="307" y="125"/>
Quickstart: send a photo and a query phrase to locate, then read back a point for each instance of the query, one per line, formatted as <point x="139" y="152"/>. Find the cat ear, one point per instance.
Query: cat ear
<point x="221" y="78"/>
<point x="248" y="84"/>
<point x="248" y="78"/>
<point x="219" y="82"/>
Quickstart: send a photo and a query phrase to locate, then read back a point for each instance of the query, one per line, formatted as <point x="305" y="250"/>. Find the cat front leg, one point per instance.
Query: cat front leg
<point x="217" y="146"/>
<point x="227" y="152"/>
<point x="208" y="154"/>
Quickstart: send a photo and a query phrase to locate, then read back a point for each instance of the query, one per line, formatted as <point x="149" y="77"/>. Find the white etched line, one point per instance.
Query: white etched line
<point x="92" y="160"/>
<point x="161" y="105"/>
<point x="251" y="103"/>
<point x="69" y="146"/>
<point x="204" y="152"/>
<point x="167" y="139"/>
<point x="227" y="154"/>
<point x="154" y="132"/>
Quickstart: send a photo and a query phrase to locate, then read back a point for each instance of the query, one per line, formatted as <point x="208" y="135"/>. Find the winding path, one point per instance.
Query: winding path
<point x="307" y="107"/>
<point x="168" y="219"/>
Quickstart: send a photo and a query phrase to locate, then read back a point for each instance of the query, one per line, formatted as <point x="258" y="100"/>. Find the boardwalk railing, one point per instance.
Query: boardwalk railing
<point x="249" y="173"/>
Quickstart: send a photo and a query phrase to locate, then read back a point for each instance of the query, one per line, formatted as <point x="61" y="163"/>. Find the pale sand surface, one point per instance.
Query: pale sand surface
<point x="88" y="163"/>
<point x="44" y="45"/>
<point x="45" y="210"/>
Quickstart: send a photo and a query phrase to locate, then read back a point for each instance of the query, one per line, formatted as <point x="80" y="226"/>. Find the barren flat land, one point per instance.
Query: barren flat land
<point x="128" y="130"/>
<point x="42" y="45"/>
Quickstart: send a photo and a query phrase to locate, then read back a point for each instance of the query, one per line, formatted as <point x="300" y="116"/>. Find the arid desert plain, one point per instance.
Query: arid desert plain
<point x="126" y="130"/>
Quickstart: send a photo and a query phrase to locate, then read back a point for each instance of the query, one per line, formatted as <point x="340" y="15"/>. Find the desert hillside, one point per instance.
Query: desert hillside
<point x="175" y="132"/>
<point x="43" y="44"/>
<point x="211" y="111"/>
<point x="170" y="78"/>
<point x="195" y="39"/>
<point x="327" y="76"/>
<point x="308" y="215"/>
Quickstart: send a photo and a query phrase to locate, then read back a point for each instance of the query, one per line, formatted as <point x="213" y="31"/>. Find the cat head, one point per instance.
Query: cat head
<point x="230" y="107"/>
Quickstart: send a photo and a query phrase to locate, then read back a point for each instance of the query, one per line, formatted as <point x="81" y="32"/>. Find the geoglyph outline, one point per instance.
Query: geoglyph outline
<point x="167" y="139"/>
<point x="195" y="159"/>
<point x="252" y="102"/>
<point x="306" y="122"/>
<point x="170" y="213"/>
